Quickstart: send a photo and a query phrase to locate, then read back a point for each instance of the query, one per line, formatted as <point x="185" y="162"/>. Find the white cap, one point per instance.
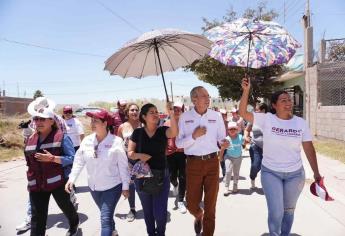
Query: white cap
<point x="44" y="113"/>
<point x="40" y="102"/>
<point x="233" y="110"/>
<point x="232" y="125"/>
<point x="178" y="104"/>
<point x="222" y="111"/>
<point x="122" y="102"/>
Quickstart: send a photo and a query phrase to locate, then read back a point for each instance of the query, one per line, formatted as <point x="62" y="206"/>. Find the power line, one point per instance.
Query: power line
<point x="104" y="91"/>
<point x="118" y="16"/>
<point x="50" y="48"/>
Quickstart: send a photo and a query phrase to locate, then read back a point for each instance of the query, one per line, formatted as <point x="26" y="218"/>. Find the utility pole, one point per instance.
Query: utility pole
<point x="18" y="90"/>
<point x="308" y="37"/>
<point x="284" y="11"/>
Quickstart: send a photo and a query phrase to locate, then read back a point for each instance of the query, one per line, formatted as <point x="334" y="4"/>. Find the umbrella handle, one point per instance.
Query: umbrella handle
<point x="160" y="66"/>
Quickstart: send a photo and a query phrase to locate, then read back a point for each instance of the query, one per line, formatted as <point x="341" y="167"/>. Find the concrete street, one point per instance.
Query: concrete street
<point x="244" y="213"/>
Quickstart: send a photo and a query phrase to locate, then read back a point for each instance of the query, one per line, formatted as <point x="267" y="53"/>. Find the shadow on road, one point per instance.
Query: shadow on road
<point x="82" y="189"/>
<point x="139" y="215"/>
<point x="60" y="220"/>
<point x="267" y="234"/>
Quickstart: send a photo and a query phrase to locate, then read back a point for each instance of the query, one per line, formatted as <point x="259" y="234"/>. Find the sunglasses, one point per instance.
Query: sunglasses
<point x="67" y="112"/>
<point x="39" y="119"/>
<point x="95" y="151"/>
<point x="232" y="129"/>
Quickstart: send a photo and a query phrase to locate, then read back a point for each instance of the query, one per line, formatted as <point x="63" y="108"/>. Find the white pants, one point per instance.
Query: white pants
<point x="232" y="165"/>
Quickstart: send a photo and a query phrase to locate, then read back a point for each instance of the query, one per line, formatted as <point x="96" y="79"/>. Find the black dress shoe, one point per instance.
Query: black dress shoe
<point x="73" y="230"/>
<point x="197" y="226"/>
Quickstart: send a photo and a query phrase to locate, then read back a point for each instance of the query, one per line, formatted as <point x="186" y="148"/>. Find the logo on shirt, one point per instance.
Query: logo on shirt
<point x="287" y="132"/>
<point x="189" y="121"/>
<point x="212" y="121"/>
<point x="108" y="146"/>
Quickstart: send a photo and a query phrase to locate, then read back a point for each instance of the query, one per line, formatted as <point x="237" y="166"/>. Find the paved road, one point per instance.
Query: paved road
<point x="241" y="214"/>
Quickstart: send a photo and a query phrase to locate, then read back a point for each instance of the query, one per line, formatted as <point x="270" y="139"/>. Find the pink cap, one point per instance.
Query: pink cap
<point x="67" y="108"/>
<point x="101" y="114"/>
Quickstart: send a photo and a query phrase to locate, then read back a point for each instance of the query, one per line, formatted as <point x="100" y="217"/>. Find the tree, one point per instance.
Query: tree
<point x="228" y="78"/>
<point x="336" y="50"/>
<point x="37" y="94"/>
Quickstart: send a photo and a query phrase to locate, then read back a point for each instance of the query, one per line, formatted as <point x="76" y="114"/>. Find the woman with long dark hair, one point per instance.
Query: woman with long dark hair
<point x="282" y="172"/>
<point x="148" y="144"/>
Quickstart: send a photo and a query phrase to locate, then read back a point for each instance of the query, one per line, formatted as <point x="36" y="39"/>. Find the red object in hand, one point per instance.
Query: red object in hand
<point x="319" y="190"/>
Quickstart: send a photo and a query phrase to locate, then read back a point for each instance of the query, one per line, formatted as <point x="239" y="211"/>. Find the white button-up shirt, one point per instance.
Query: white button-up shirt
<point x="107" y="168"/>
<point x="203" y="145"/>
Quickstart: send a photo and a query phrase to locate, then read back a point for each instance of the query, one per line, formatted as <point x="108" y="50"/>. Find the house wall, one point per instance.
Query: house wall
<point x="326" y="121"/>
<point x="13" y="105"/>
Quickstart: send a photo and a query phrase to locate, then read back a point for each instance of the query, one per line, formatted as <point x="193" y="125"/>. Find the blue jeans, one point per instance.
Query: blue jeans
<point x="255" y="153"/>
<point x="155" y="207"/>
<point x="282" y="190"/>
<point x="106" y="201"/>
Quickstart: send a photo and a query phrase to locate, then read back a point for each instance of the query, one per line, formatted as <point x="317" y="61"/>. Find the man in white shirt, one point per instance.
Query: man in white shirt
<point x="201" y="133"/>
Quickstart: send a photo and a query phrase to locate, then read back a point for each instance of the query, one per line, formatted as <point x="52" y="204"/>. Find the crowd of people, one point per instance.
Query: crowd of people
<point x="133" y="152"/>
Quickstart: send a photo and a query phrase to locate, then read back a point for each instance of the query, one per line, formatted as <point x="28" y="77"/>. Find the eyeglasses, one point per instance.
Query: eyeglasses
<point x="95" y="151"/>
<point x="41" y="119"/>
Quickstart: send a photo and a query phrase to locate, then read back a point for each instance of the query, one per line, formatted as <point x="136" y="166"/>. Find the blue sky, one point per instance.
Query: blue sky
<point x="85" y="26"/>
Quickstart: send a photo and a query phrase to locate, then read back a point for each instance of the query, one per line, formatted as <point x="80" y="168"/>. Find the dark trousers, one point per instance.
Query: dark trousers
<point x="203" y="177"/>
<point x="255" y="153"/>
<point x="131" y="198"/>
<point x="155" y="208"/>
<point x="39" y="209"/>
<point x="177" y="169"/>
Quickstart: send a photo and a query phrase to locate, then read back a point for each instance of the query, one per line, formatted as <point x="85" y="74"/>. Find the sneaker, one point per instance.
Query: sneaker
<point x="182" y="207"/>
<point x="115" y="233"/>
<point x="73" y="230"/>
<point x="235" y="188"/>
<point x="252" y="183"/>
<point x="26" y="225"/>
<point x="227" y="192"/>
<point x="175" y="190"/>
<point x="131" y="215"/>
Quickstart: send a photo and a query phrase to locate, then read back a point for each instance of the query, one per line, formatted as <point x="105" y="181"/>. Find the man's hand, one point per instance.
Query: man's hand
<point x="199" y="131"/>
<point x="45" y="157"/>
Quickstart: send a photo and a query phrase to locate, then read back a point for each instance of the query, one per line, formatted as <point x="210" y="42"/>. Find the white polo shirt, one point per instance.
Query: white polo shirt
<point x="75" y="130"/>
<point x="109" y="169"/>
<point x="205" y="144"/>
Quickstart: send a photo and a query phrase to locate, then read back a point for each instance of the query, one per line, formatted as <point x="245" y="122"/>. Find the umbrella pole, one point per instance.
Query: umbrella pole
<point x="250" y="40"/>
<point x="160" y="66"/>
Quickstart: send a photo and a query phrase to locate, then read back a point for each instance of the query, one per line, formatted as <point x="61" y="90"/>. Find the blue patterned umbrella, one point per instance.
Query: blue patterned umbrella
<point x="253" y="44"/>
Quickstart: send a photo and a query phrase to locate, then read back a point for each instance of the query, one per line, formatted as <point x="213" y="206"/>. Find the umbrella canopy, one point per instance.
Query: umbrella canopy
<point x="253" y="44"/>
<point x="156" y="52"/>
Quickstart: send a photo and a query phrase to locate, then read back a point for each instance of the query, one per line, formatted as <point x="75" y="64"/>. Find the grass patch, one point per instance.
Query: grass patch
<point x="332" y="148"/>
<point x="7" y="154"/>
